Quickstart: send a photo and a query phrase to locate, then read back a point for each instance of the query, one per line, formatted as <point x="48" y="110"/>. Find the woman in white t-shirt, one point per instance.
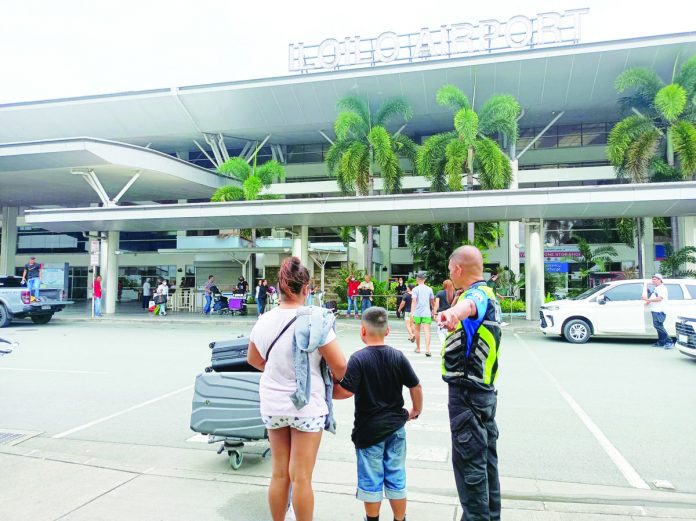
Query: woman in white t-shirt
<point x="294" y="434"/>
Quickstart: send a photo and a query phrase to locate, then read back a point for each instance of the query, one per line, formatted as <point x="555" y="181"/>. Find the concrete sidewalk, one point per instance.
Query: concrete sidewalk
<point x="134" y="313"/>
<point x="106" y="482"/>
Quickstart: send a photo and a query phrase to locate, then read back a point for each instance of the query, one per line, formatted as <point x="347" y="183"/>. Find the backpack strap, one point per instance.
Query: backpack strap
<point x="268" y="353"/>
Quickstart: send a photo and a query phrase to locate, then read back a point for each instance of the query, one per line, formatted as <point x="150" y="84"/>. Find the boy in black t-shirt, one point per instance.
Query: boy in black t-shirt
<point x="376" y="376"/>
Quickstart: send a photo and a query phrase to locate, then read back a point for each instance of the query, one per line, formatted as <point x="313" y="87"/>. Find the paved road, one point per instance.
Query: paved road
<point x="606" y="413"/>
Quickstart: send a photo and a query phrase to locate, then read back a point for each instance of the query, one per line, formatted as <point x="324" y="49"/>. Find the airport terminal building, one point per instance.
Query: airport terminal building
<point x="136" y="169"/>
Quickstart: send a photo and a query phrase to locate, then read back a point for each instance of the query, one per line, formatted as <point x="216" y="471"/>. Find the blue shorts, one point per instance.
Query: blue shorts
<point x="382" y="467"/>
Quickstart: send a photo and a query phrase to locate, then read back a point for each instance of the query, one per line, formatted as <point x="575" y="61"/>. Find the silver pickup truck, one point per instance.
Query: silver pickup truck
<point x="16" y="302"/>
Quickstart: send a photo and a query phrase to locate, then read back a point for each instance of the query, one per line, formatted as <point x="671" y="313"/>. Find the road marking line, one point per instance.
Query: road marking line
<point x="628" y="472"/>
<point x="120" y="413"/>
<point x="67" y="371"/>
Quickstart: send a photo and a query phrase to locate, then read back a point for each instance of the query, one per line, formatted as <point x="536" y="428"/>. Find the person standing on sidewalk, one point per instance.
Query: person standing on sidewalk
<point x="262" y="297"/>
<point x="97" y="289"/>
<point x="208" y="294"/>
<point x="352" y="292"/>
<point x="405" y="309"/>
<point x="147" y="293"/>
<point x="32" y="276"/>
<point x="376" y="375"/>
<point x="422" y="311"/>
<point x="656" y="301"/>
<point x="470" y="368"/>
<point x="295" y="391"/>
<point x="366" y="291"/>
<point x="400" y="289"/>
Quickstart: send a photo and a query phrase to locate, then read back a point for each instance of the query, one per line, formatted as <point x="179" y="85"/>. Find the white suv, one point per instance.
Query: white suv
<point x="616" y="309"/>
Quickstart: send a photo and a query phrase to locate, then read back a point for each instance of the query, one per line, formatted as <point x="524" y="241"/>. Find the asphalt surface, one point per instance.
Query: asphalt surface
<point x="608" y="413"/>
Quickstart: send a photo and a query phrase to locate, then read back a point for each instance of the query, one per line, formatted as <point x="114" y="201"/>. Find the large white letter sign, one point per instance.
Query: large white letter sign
<point x="329" y="53"/>
<point x="549" y="25"/>
<point x="296" y="57"/>
<point x="387" y="47"/>
<point x="425" y="46"/>
<point x="518" y="31"/>
<point x="490" y="30"/>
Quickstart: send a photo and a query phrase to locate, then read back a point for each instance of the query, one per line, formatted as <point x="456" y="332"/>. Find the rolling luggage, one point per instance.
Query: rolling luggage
<point x="227" y="405"/>
<point x="230" y="355"/>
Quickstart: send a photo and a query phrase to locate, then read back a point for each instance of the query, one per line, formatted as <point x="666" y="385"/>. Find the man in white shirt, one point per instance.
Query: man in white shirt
<point x="147" y="293"/>
<point x="657" y="305"/>
<point x="422" y="305"/>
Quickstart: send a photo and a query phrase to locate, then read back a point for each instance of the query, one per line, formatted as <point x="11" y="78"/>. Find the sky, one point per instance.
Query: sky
<point x="65" y="48"/>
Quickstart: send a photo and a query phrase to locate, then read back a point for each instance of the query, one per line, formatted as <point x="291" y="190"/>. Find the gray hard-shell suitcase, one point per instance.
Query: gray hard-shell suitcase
<point x="230" y="355"/>
<point x="227" y="405"/>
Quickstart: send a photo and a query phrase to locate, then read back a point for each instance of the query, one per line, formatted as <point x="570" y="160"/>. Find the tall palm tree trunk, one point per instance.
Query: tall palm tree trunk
<point x="639" y="247"/>
<point x="674" y="221"/>
<point x="470" y="227"/>
<point x="369" y="253"/>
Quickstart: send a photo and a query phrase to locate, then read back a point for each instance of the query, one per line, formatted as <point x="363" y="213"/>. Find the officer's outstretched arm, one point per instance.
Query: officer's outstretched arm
<point x="463" y="309"/>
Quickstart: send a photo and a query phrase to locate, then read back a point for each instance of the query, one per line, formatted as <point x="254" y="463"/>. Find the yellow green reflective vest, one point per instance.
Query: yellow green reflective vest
<point x="470" y="352"/>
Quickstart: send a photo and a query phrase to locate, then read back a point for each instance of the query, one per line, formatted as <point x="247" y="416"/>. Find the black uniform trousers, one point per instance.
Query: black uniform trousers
<point x="474" y="452"/>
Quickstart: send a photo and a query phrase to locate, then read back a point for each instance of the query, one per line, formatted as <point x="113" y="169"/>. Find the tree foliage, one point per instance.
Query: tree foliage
<point x="673" y="265"/>
<point x="432" y="244"/>
<point x="364" y="148"/>
<point x="445" y="158"/>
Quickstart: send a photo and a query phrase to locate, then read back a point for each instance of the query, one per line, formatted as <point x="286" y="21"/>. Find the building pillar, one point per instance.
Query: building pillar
<point x="513" y="231"/>
<point x="300" y="246"/>
<point x="360" y="247"/>
<point x="8" y="244"/>
<point x="111" y="276"/>
<point x="687" y="235"/>
<point x="648" y="247"/>
<point x="534" y="268"/>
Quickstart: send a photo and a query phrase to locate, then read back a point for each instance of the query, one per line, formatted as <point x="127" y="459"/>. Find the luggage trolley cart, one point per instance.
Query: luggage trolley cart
<point x="226" y="408"/>
<point x="226" y="403"/>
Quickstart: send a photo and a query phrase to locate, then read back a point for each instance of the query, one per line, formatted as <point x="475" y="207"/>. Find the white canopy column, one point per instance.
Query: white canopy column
<point x="8" y="244"/>
<point x="513" y="231"/>
<point x="300" y="245"/>
<point x="648" y="247"/>
<point x="687" y="232"/>
<point x="534" y="268"/>
<point x="110" y="278"/>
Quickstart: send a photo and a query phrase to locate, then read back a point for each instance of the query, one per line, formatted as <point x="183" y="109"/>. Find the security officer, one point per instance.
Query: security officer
<point x="470" y="367"/>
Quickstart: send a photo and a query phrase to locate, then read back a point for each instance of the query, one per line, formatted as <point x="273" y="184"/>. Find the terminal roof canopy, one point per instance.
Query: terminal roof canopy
<point x="577" y="79"/>
<point x="641" y="200"/>
<point x="47" y="173"/>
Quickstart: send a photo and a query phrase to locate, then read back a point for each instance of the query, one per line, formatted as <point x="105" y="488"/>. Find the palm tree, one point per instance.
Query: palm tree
<point x="594" y="258"/>
<point x="254" y="179"/>
<point x="364" y="147"/>
<point x="671" y="266"/>
<point x="657" y="142"/>
<point x="470" y="148"/>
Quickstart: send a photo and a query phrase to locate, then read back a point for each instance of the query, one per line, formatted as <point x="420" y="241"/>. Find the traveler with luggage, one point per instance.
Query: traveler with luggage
<point x="208" y="294"/>
<point x="147" y="293"/>
<point x="376" y="375"/>
<point x="296" y="387"/>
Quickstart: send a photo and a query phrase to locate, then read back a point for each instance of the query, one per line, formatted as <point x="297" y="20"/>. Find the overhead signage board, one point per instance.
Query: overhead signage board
<point x="447" y="41"/>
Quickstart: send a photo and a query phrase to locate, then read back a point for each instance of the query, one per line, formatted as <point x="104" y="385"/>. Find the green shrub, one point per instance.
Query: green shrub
<point x="515" y="306"/>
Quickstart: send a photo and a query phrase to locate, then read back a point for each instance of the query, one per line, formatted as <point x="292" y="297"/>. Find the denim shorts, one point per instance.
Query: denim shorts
<point x="382" y="467"/>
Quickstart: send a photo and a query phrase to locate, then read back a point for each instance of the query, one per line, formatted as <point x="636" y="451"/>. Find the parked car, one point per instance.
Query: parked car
<point x="16" y="302"/>
<point x="615" y="309"/>
<point x="686" y="335"/>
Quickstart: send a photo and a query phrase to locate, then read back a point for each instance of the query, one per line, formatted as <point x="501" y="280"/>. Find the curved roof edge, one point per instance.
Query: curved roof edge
<point x="642" y="41"/>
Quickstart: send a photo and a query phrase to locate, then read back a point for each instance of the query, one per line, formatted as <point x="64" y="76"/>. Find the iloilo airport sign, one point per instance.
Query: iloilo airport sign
<point x="446" y="41"/>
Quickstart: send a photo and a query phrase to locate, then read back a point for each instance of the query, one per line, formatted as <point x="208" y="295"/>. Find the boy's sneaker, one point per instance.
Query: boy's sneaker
<point x="668" y="346"/>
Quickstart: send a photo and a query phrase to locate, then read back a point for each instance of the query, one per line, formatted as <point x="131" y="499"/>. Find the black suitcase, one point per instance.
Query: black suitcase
<point x="230" y="356"/>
